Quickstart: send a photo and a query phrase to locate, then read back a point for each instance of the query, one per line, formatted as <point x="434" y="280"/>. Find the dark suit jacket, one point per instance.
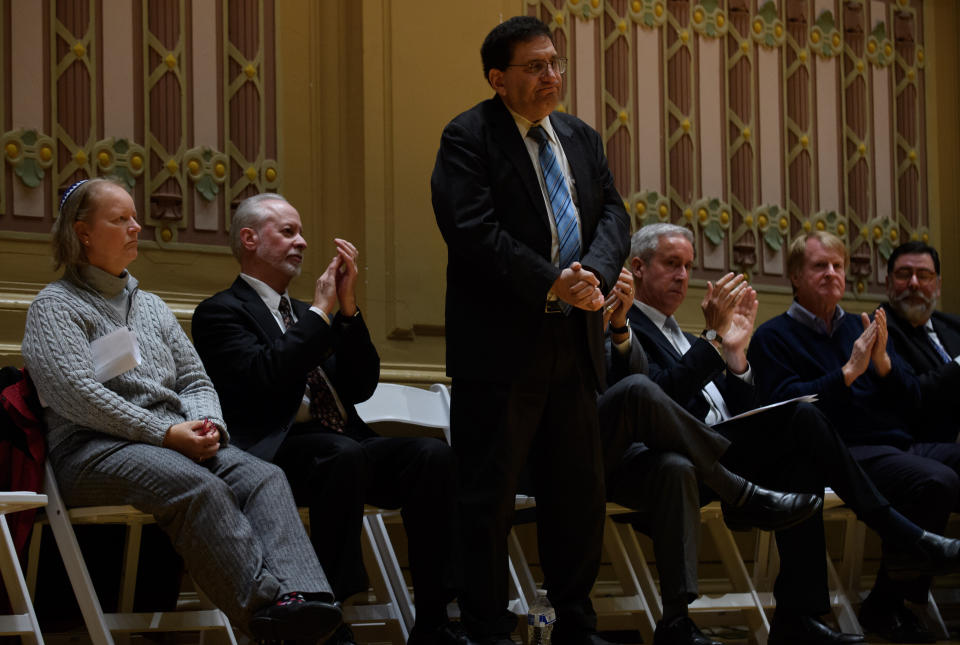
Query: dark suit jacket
<point x="684" y="377"/>
<point x="261" y="373"/>
<point x="491" y="212"/>
<point x="939" y="381"/>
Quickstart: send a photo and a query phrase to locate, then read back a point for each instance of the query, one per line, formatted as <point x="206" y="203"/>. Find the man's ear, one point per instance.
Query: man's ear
<point x="636" y="268"/>
<point x="249" y="238"/>
<point x="495" y="78"/>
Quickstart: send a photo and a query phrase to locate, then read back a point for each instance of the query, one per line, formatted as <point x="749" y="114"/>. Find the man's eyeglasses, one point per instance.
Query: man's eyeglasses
<point x="539" y="67"/>
<point x="924" y="276"/>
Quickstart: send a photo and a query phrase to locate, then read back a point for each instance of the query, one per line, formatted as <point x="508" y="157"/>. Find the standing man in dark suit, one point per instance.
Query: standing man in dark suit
<point x="535" y="232"/>
<point x="793" y="447"/>
<point x="927" y="339"/>
<point x="288" y="374"/>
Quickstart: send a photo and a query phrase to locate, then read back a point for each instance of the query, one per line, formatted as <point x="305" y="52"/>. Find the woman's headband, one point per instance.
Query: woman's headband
<point x="68" y="192"/>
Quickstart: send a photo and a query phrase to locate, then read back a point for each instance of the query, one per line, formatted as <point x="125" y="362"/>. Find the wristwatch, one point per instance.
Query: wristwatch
<point x="711" y="335"/>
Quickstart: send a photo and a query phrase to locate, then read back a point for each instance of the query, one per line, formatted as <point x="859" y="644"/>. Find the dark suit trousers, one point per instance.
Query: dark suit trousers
<point x="922" y="483"/>
<point x="653" y="449"/>
<point x="795" y="448"/>
<point x="335" y="475"/>
<point x="547" y="413"/>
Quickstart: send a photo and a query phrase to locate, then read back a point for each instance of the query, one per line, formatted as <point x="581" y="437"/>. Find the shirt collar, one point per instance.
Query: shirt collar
<point x="524" y="124"/>
<point x="811" y="321"/>
<point x="656" y="316"/>
<point x="270" y="297"/>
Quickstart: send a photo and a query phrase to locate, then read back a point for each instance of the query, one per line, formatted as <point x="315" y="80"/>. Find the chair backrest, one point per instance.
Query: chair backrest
<point x="404" y="404"/>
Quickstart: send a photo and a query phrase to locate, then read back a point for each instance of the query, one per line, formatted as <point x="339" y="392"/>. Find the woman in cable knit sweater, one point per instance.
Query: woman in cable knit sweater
<point x="140" y="438"/>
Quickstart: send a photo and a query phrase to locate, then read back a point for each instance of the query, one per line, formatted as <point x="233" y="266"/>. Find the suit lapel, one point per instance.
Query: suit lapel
<point x="253" y="305"/>
<point x="949" y="335"/>
<point x="507" y="136"/>
<point x="577" y="158"/>
<point x="639" y="318"/>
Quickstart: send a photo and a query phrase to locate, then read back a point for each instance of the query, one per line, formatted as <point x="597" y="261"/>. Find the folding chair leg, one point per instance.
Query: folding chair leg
<point x="934" y="619"/>
<point x="628" y="537"/>
<point x="521" y="577"/>
<point x="24" y="619"/>
<point x="737" y="571"/>
<point x="630" y="585"/>
<point x="840" y="602"/>
<point x="378" y="531"/>
<point x="73" y="561"/>
<point x="381" y="583"/>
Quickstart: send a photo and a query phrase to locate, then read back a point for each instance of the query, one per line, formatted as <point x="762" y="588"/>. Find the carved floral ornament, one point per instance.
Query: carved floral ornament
<point x="767" y="29"/>
<point x="712" y="217"/>
<point x="30" y="154"/>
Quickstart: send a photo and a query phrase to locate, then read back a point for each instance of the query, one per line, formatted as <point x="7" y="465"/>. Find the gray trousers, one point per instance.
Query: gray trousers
<point x="653" y="449"/>
<point x="232" y="519"/>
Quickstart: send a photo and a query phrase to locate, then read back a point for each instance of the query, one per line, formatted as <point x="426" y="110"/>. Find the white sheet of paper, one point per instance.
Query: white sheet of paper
<point x="806" y="398"/>
<point x="114" y="354"/>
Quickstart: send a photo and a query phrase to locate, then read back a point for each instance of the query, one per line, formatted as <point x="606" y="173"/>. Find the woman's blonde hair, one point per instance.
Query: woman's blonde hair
<point x="78" y="201"/>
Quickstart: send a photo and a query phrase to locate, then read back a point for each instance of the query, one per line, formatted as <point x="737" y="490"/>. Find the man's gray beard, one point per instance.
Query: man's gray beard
<point x="293" y="270"/>
<point x="915" y="314"/>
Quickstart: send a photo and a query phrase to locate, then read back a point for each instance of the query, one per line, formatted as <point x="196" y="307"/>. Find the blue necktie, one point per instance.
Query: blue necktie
<point x="940" y="351"/>
<point x="563" y="210"/>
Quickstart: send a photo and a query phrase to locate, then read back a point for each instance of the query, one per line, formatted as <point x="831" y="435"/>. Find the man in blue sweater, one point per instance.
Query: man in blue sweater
<point x="871" y="396"/>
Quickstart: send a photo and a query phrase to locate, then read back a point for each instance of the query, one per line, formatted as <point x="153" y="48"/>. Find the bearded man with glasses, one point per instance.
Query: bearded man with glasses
<point x="927" y="339"/>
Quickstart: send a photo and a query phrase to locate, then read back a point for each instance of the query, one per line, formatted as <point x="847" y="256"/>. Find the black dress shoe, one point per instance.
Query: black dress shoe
<point x="931" y="555"/>
<point x="897" y="624"/>
<point x="297" y="620"/>
<point x="796" y="629"/>
<point x="771" y="510"/>
<point x="680" y="631"/>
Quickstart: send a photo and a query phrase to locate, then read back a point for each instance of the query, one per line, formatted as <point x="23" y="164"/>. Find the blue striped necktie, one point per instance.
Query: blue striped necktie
<point x="563" y="210"/>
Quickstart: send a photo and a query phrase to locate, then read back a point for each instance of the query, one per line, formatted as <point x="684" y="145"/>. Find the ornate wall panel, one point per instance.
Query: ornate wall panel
<point x="174" y="97"/>
<point x="751" y="121"/>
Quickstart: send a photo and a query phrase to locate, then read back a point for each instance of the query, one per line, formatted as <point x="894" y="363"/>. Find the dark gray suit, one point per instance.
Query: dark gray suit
<point x="653" y="451"/>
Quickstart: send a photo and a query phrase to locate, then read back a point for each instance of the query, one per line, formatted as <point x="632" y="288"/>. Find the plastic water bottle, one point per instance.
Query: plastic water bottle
<point x="540" y="620"/>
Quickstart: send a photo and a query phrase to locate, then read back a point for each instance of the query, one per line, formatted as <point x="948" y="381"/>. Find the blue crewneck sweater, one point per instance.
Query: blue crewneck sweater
<point x="790" y="359"/>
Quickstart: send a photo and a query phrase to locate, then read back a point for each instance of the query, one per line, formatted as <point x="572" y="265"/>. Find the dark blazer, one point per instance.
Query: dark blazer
<point x="261" y="373"/>
<point x="684" y="377"/>
<point x="491" y="212"/>
<point x="939" y="381"/>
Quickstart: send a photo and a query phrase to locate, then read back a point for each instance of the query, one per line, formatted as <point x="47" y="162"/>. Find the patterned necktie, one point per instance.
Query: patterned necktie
<point x="564" y="213"/>
<point x="941" y="352"/>
<point x="322" y="404"/>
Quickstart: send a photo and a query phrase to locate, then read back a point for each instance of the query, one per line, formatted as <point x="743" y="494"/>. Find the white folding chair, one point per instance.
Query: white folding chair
<point x="403" y="404"/>
<point x="23" y="621"/>
<point x="101" y="626"/>
<point x="742" y="604"/>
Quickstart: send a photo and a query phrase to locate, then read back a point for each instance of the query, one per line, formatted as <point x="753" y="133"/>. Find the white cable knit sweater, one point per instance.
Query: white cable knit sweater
<point x="169" y="386"/>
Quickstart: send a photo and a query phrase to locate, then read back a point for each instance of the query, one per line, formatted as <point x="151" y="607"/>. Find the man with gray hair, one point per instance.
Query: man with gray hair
<point x="288" y="374"/>
<point x="792" y="447"/>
